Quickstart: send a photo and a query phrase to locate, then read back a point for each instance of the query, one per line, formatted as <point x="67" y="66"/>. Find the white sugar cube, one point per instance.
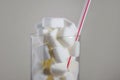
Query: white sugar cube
<point x="75" y="49"/>
<point x="58" y="69"/>
<point x="67" y="35"/>
<point x="52" y="39"/>
<point x="68" y="76"/>
<point x="53" y="22"/>
<point x="74" y="68"/>
<point x="61" y="54"/>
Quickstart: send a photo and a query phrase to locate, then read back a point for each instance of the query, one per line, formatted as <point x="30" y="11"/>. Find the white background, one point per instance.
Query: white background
<point x="100" y="39"/>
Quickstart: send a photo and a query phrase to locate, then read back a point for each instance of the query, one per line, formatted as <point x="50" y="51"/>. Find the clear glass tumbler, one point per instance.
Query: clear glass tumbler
<point x="50" y="63"/>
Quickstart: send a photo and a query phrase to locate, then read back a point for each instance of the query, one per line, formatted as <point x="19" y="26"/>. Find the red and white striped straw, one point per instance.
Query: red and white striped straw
<point x="80" y="25"/>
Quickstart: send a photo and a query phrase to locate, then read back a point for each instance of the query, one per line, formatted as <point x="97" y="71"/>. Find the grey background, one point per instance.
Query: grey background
<point x="100" y="39"/>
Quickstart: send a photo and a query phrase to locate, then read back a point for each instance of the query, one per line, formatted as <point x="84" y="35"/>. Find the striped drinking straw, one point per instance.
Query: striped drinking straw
<point x="80" y="25"/>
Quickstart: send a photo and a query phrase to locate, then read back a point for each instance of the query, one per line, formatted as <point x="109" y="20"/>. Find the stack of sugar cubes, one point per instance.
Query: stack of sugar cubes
<point x="52" y="46"/>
